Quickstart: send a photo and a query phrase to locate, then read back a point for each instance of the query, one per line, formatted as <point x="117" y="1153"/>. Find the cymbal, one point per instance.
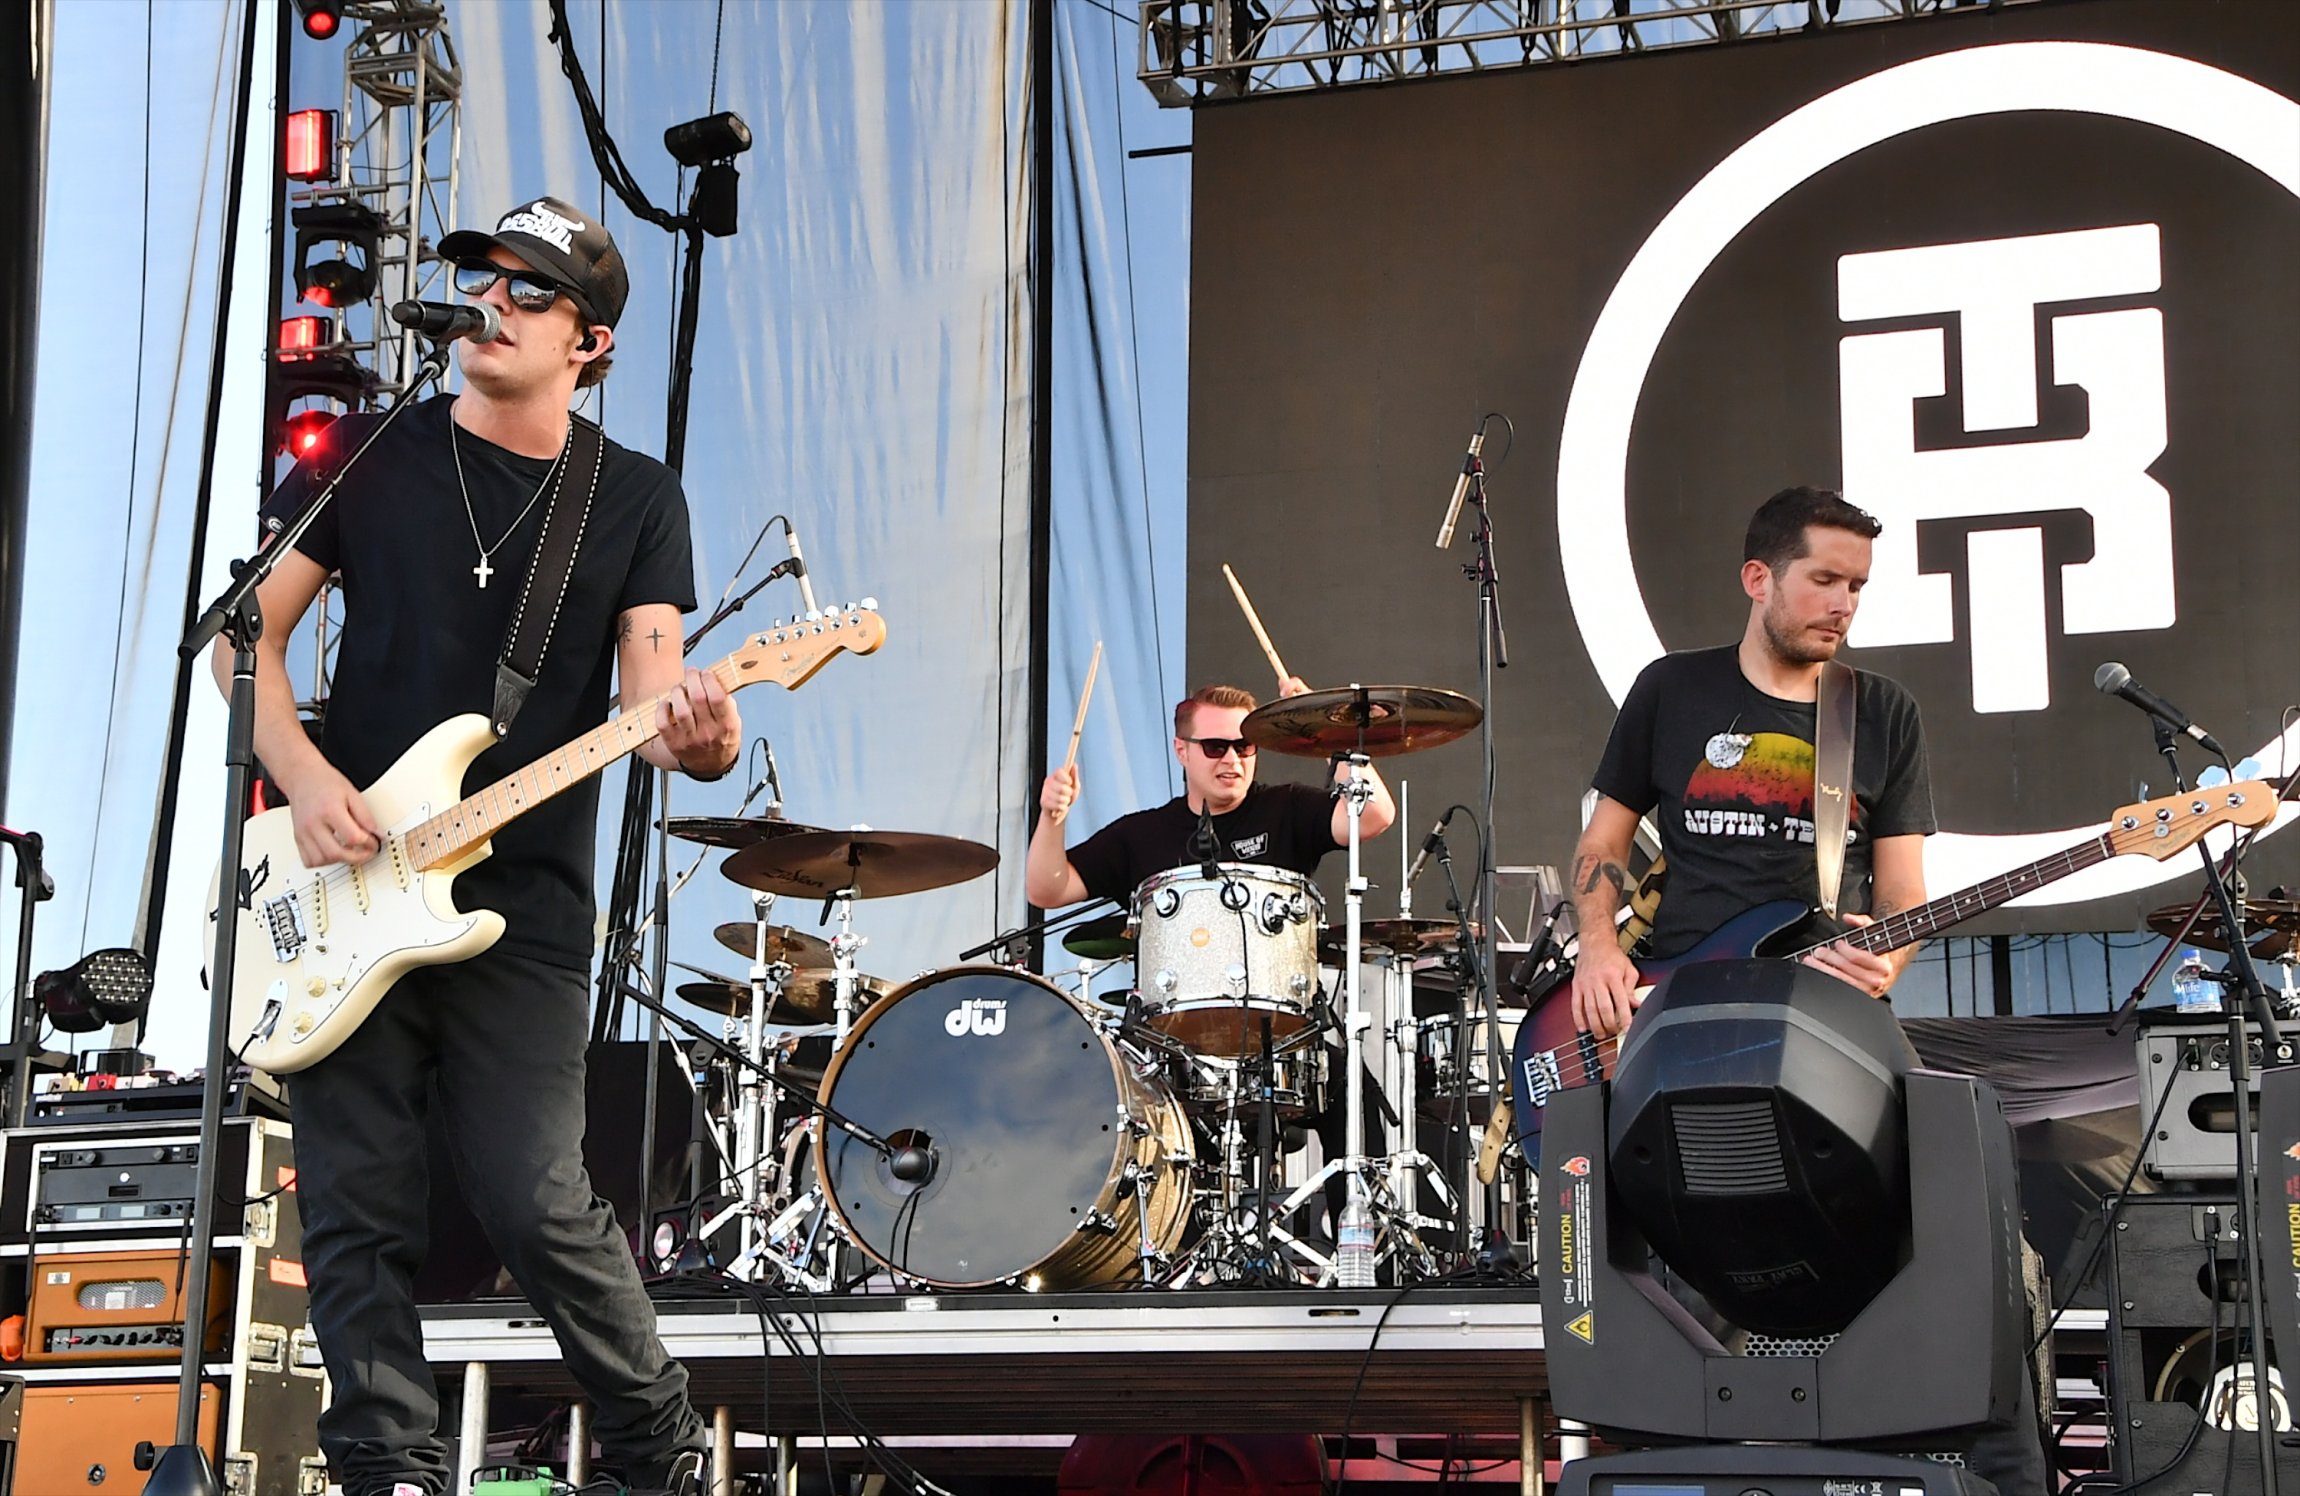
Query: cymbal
<point x="1404" y="937"/>
<point x="1393" y="720"/>
<point x="1103" y="939"/>
<point x="784" y="944"/>
<point x="808" y="997"/>
<point x="733" y="832"/>
<point x="2277" y="919"/>
<point x="875" y="864"/>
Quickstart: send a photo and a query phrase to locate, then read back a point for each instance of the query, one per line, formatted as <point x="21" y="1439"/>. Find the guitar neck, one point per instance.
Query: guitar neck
<point x="473" y="819"/>
<point x="1928" y="919"/>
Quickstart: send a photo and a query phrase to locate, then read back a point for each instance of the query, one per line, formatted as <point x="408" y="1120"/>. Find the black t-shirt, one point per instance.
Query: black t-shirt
<point x="1289" y="826"/>
<point x="1727" y="773"/>
<point x="420" y="637"/>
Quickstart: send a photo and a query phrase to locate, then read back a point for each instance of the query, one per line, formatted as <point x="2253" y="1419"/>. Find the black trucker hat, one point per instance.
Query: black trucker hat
<point x="562" y="242"/>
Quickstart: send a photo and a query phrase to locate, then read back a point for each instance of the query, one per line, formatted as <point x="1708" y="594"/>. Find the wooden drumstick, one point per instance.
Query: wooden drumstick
<point x="1254" y="622"/>
<point x="1078" y="728"/>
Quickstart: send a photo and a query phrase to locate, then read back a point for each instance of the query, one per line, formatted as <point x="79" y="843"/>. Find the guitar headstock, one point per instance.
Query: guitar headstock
<point x="2174" y="823"/>
<point x="790" y="653"/>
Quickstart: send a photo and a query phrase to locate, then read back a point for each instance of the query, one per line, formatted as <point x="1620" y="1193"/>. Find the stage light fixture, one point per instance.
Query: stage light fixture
<point x="303" y="338"/>
<point x="715" y="137"/>
<point x="301" y="434"/>
<point x="321" y="18"/>
<point x="348" y="276"/>
<point x="311" y="145"/>
<point x="100" y="989"/>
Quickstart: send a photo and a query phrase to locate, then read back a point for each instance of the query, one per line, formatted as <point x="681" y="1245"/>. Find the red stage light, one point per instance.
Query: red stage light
<point x="301" y="337"/>
<point x="311" y="145"/>
<point x="320" y="17"/>
<point x="304" y="430"/>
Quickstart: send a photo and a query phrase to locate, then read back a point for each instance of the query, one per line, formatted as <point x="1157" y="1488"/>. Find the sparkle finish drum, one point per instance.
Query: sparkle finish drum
<point x="1051" y="1162"/>
<point x="1213" y="958"/>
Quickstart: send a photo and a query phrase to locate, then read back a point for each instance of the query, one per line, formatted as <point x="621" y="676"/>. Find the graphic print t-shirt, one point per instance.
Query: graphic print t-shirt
<point x="1277" y="825"/>
<point x="1726" y="771"/>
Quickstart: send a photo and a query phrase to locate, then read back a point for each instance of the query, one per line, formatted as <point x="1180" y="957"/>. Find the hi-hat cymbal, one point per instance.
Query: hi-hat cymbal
<point x="1404" y="937"/>
<point x="733" y="832"/>
<point x="1377" y="720"/>
<point x="875" y="864"/>
<point x="2276" y="919"/>
<point x="1103" y="939"/>
<point x="808" y="997"/>
<point x="784" y="944"/>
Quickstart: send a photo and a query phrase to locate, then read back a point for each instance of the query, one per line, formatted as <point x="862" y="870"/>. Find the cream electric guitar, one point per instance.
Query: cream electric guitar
<point x="318" y="948"/>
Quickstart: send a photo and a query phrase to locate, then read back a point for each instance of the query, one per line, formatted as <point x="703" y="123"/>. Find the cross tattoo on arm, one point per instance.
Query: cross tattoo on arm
<point x="655" y="639"/>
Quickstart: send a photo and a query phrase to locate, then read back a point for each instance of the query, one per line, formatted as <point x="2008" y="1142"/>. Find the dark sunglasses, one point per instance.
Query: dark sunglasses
<point x="528" y="292"/>
<point x="1214" y="748"/>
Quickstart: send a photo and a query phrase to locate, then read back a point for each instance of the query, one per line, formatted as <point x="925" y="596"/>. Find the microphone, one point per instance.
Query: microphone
<point x="799" y="567"/>
<point x="1205" y="843"/>
<point x="444" y="323"/>
<point x="1469" y="469"/>
<point x="1430" y="844"/>
<point x="2112" y="679"/>
<point x="774" y="779"/>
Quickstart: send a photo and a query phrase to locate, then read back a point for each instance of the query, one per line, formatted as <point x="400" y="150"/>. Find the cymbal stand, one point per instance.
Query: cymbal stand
<point x="843" y="948"/>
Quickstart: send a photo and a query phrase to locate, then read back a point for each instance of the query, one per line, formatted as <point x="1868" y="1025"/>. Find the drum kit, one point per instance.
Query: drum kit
<point x="979" y="1125"/>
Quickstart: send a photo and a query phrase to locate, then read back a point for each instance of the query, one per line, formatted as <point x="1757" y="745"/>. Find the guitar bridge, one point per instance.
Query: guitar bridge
<point x="1541" y="1077"/>
<point x="283" y="922"/>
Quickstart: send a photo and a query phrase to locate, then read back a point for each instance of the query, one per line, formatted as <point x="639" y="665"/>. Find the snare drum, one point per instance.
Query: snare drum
<point x="1216" y="1083"/>
<point x="1049" y="1160"/>
<point x="1214" y="958"/>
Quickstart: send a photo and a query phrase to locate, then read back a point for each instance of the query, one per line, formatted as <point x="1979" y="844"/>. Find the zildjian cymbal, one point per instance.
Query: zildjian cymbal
<point x="1404" y="937"/>
<point x="785" y="945"/>
<point x="1379" y="721"/>
<point x="875" y="864"/>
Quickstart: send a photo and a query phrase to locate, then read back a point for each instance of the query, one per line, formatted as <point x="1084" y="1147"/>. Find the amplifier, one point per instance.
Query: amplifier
<point x="2195" y="1134"/>
<point x="113" y="1179"/>
<point x="79" y="1438"/>
<point x="117" y="1306"/>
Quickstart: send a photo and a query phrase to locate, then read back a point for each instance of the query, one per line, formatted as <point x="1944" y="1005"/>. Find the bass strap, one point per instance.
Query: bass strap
<point x="528" y="638"/>
<point x="1832" y="778"/>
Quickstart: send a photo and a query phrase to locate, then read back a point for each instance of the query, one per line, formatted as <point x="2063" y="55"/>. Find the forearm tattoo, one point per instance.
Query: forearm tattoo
<point x="1589" y="870"/>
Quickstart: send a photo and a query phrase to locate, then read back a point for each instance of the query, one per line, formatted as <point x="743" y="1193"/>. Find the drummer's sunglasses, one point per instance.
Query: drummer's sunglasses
<point x="528" y="292"/>
<point x="1214" y="748"/>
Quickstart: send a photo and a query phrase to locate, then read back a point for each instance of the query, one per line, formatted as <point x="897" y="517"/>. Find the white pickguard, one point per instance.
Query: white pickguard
<point x="318" y="949"/>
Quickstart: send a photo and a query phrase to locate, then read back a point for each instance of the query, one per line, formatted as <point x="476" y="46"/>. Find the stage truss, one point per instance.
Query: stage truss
<point x="1203" y="51"/>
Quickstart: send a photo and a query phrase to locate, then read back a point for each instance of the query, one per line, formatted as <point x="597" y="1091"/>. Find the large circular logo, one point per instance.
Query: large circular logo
<point x="2250" y="123"/>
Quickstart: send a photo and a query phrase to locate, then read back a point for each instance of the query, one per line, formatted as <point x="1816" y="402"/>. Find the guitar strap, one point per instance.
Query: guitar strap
<point x="520" y="664"/>
<point x="1832" y="778"/>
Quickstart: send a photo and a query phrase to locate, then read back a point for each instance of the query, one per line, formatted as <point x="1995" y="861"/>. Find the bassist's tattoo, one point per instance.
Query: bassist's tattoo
<point x="623" y="630"/>
<point x="1589" y="869"/>
<point x="655" y="640"/>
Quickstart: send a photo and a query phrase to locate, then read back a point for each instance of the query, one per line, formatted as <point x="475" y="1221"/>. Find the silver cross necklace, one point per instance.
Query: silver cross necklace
<point x="483" y="570"/>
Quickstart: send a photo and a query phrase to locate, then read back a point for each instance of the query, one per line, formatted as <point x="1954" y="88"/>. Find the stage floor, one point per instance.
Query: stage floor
<point x="1436" y="1358"/>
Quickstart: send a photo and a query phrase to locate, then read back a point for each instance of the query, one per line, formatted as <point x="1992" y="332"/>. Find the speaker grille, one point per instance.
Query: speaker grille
<point x="1729" y="1147"/>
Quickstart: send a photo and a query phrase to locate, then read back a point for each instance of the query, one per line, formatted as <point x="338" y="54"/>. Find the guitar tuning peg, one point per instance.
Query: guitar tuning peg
<point x="870" y="604"/>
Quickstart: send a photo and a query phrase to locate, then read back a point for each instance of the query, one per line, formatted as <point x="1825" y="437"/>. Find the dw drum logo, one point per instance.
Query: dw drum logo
<point x="982" y="1016"/>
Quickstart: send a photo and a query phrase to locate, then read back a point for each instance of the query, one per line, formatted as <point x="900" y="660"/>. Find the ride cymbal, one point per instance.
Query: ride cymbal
<point x="1379" y="721"/>
<point x="785" y="945"/>
<point x="875" y="864"/>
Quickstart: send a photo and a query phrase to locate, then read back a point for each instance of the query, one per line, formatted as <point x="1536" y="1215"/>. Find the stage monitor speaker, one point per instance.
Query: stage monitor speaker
<point x="2171" y="1348"/>
<point x="2195" y="1133"/>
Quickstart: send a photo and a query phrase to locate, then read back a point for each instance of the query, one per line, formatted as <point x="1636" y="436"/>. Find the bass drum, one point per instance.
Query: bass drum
<point x="1047" y="1161"/>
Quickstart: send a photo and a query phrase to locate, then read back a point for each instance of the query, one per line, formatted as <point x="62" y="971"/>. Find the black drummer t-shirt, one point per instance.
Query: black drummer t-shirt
<point x="1288" y="826"/>
<point x="420" y="636"/>
<point x="1727" y="773"/>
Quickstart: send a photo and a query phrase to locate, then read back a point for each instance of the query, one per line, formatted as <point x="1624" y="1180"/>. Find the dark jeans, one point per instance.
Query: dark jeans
<point x="498" y="1043"/>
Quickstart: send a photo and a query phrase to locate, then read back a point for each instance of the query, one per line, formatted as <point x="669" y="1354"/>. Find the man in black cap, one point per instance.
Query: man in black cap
<point x="432" y="535"/>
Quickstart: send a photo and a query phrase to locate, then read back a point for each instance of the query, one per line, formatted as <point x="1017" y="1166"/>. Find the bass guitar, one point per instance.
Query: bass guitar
<point x="319" y="947"/>
<point x="1552" y="1055"/>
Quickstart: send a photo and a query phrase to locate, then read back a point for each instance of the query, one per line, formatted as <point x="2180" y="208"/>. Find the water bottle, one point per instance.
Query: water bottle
<point x="1354" y="1247"/>
<point x="2192" y="990"/>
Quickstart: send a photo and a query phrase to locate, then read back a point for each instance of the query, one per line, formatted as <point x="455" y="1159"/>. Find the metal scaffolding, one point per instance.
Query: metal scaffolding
<point x="1201" y="51"/>
<point x="397" y="155"/>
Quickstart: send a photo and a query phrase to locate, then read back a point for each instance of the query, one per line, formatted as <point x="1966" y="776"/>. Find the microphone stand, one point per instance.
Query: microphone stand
<point x="1492" y="655"/>
<point x="2243" y="976"/>
<point x="1046" y="926"/>
<point x="183" y="1466"/>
